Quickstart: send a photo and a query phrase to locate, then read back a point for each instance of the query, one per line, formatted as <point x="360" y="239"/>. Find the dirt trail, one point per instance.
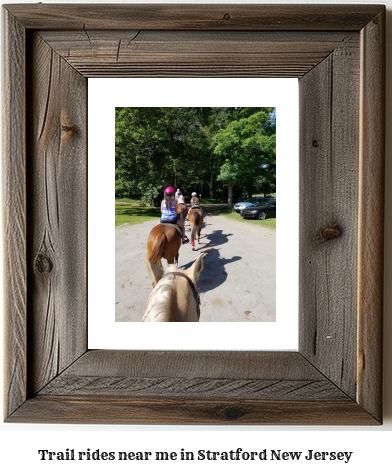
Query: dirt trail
<point x="238" y="282"/>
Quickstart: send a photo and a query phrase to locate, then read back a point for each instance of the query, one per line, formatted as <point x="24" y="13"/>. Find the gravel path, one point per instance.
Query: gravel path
<point x="238" y="280"/>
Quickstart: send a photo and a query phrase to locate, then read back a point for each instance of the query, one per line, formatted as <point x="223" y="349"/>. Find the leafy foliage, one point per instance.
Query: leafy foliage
<point x="203" y="149"/>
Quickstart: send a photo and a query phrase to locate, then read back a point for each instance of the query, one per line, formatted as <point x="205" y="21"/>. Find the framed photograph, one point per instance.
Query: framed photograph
<point x="184" y="155"/>
<point x="337" y="52"/>
<point x="232" y="270"/>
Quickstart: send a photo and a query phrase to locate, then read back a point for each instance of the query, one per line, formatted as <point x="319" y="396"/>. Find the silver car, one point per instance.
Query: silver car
<point x="240" y="206"/>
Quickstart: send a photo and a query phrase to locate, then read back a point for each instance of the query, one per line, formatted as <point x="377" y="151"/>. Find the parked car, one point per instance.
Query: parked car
<point x="261" y="211"/>
<point x="240" y="206"/>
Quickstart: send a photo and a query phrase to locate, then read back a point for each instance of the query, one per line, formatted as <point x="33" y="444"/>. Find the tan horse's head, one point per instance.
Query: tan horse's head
<point x="175" y="295"/>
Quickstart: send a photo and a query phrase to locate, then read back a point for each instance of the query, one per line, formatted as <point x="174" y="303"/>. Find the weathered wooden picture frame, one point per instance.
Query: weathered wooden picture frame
<point x="337" y="53"/>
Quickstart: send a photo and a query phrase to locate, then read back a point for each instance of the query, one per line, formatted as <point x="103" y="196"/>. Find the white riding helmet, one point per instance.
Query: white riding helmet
<point x="194" y="194"/>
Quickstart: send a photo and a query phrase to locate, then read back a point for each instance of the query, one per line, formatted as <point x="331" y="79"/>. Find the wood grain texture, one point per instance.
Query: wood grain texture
<point x="207" y="364"/>
<point x="57" y="214"/>
<point x="166" y="53"/>
<point x="189" y="387"/>
<point x="195" y="17"/>
<point x="371" y="216"/>
<point x="102" y="409"/>
<point x="329" y="97"/>
<point x="205" y="374"/>
<point x="14" y="209"/>
<point x="157" y="387"/>
<point x="335" y="378"/>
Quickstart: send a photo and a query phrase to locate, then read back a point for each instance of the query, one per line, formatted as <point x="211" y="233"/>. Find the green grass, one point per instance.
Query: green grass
<point x="134" y="214"/>
<point x="126" y="200"/>
<point x="263" y="195"/>
<point x="269" y="222"/>
<point x="206" y="200"/>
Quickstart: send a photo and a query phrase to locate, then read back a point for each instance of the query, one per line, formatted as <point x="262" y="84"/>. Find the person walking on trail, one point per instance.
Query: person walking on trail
<point x="169" y="212"/>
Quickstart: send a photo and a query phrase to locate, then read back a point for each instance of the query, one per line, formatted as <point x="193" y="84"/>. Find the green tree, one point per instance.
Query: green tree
<point x="157" y="147"/>
<point x="200" y="149"/>
<point x="247" y="147"/>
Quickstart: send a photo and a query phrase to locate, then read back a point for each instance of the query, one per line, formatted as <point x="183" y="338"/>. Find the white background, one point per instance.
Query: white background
<point x="104" y="332"/>
<point x="371" y="446"/>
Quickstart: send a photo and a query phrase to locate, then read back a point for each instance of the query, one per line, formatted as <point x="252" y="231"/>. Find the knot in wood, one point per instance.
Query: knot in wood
<point x="43" y="264"/>
<point x="328" y="233"/>
<point x="68" y="128"/>
<point x="315" y="143"/>
<point x="227" y="16"/>
<point x="232" y="413"/>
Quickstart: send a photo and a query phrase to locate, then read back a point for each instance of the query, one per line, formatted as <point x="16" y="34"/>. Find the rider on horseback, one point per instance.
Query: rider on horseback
<point x="180" y="197"/>
<point x="195" y="203"/>
<point x="169" y="211"/>
<point x="194" y="200"/>
<point x="183" y="210"/>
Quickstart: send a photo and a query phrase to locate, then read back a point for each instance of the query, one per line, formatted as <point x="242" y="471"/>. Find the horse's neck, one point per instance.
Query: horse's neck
<point x="171" y="302"/>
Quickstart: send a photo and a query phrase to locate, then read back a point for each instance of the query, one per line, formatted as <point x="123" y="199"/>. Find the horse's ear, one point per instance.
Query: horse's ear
<point x="195" y="270"/>
<point x="154" y="272"/>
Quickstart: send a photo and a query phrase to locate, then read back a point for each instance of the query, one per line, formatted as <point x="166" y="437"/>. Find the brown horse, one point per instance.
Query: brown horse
<point x="164" y="241"/>
<point x="175" y="297"/>
<point x="182" y="211"/>
<point x="195" y="218"/>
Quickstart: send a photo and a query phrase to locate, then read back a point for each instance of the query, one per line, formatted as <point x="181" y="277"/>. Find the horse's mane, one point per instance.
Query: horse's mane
<point x="160" y="300"/>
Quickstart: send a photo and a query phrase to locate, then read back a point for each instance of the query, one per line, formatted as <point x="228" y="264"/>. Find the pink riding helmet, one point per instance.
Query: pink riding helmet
<point x="169" y="190"/>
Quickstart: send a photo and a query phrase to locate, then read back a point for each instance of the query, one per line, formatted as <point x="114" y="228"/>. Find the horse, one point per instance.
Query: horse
<point x="175" y="297"/>
<point x="164" y="241"/>
<point x="195" y="218"/>
<point x="183" y="211"/>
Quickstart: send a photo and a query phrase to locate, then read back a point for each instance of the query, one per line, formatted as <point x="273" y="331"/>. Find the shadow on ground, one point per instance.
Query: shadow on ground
<point x="214" y="273"/>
